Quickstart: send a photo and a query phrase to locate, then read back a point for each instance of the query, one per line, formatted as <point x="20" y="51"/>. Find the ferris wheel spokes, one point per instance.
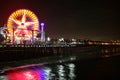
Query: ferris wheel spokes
<point x="24" y="17"/>
<point x="25" y="22"/>
<point x="30" y="23"/>
<point x="16" y="21"/>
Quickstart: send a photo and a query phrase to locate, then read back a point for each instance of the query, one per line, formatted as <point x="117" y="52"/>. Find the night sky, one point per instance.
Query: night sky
<point x="84" y="19"/>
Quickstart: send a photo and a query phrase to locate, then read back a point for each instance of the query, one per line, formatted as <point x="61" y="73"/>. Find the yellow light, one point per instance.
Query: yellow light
<point x="19" y="16"/>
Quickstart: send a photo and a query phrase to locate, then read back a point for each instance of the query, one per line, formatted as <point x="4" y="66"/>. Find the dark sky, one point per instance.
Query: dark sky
<point x="84" y="19"/>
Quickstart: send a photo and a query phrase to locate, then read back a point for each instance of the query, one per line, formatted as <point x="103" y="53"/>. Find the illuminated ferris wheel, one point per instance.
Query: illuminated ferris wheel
<point x="22" y="24"/>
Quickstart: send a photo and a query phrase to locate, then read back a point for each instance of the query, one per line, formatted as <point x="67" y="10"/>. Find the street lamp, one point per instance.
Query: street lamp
<point x="48" y="39"/>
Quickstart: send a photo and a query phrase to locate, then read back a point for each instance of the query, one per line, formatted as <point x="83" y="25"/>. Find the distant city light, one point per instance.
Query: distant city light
<point x="61" y="39"/>
<point x="48" y="39"/>
<point x="73" y="39"/>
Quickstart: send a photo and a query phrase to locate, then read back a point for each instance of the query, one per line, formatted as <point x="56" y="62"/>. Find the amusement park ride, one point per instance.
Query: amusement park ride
<point x="23" y="27"/>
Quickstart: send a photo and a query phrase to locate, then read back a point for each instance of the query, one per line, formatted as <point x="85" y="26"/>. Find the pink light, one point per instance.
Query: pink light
<point x="26" y="74"/>
<point x="22" y="75"/>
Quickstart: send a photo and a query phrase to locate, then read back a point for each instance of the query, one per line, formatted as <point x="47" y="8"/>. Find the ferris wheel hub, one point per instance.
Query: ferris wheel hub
<point x="22" y="24"/>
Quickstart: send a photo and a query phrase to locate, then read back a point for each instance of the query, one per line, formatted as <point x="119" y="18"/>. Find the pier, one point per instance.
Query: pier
<point x="20" y="52"/>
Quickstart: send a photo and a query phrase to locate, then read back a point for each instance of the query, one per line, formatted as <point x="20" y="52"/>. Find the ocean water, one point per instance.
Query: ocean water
<point x="77" y="67"/>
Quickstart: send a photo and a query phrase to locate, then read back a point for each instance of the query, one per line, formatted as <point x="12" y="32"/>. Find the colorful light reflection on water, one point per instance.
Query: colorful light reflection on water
<point x="26" y="74"/>
<point x="50" y="72"/>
